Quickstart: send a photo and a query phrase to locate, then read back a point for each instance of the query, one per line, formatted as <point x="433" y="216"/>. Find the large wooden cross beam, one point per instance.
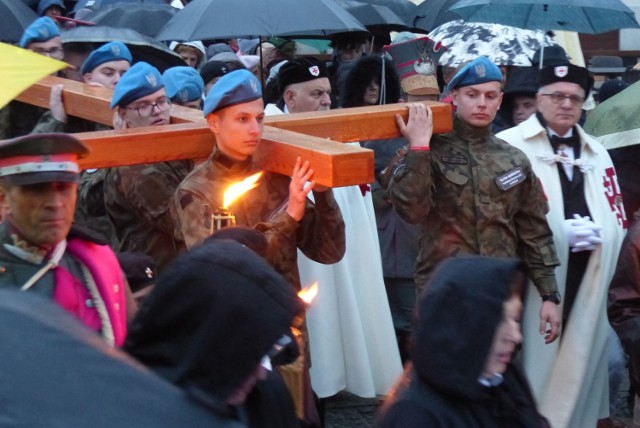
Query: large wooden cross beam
<point x="312" y="136"/>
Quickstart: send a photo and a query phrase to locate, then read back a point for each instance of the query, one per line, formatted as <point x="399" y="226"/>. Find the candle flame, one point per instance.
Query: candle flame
<point x="240" y="188"/>
<point x="309" y="293"/>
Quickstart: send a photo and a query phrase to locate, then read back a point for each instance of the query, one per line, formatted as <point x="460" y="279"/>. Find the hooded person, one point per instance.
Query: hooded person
<point x="462" y="373"/>
<point x="213" y="322"/>
<point x="363" y="83"/>
<point x="519" y="100"/>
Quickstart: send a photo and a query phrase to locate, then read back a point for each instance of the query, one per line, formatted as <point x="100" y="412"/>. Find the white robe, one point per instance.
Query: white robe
<point x="352" y="340"/>
<point x="569" y="377"/>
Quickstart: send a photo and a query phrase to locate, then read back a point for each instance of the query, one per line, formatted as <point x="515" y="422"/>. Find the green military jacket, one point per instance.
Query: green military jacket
<point x="475" y="194"/>
<point x="320" y="233"/>
<point x="137" y="200"/>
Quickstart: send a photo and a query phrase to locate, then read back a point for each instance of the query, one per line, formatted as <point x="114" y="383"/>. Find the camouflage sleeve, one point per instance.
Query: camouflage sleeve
<point x="48" y="124"/>
<point x="321" y="233"/>
<point x="536" y="245"/>
<point x="149" y="191"/>
<point x="191" y="216"/>
<point x="5" y="117"/>
<point x="412" y="187"/>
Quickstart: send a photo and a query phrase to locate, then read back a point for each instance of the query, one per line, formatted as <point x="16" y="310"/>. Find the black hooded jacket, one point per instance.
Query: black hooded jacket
<point x="360" y="76"/>
<point x="213" y="315"/>
<point x="456" y="321"/>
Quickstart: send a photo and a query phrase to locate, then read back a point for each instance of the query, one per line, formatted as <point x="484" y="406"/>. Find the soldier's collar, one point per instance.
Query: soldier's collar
<point x="16" y="244"/>
<point x="468" y="132"/>
<point x="230" y="163"/>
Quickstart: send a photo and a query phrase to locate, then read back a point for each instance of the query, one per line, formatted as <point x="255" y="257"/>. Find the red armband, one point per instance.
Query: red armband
<point x="424" y="148"/>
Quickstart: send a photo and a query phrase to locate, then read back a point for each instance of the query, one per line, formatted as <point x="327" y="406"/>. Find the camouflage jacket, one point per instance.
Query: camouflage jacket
<point x="47" y="123"/>
<point x="320" y="233"/>
<point x="17" y="119"/>
<point x="137" y="201"/>
<point x="475" y="194"/>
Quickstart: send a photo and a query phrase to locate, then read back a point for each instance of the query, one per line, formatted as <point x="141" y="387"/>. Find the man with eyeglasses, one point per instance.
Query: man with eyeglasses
<point x="41" y="37"/>
<point x="588" y="222"/>
<point x="137" y="197"/>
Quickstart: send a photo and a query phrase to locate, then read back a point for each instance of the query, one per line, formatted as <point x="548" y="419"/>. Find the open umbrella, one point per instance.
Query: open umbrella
<point x="502" y="44"/>
<point x="101" y="4"/>
<point x="56" y="373"/>
<point x="145" y="18"/>
<point x="582" y="16"/>
<point x="616" y="122"/>
<point x="142" y="48"/>
<point x="16" y="17"/>
<point x="376" y="17"/>
<point x="432" y="13"/>
<point x="206" y="19"/>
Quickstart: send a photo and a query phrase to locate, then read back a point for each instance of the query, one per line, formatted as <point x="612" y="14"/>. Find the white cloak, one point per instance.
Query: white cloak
<point x="569" y="377"/>
<point x="352" y="339"/>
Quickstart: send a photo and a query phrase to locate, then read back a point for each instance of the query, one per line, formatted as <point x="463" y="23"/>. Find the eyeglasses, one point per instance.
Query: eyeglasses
<point x="146" y="110"/>
<point x="53" y="52"/>
<point x="558" y="98"/>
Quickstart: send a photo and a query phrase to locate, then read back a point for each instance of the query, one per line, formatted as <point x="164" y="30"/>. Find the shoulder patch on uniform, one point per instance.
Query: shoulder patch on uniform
<point x="185" y="200"/>
<point x="512" y="178"/>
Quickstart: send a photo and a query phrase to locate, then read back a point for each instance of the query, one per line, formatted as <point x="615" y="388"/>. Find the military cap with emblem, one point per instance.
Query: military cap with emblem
<point x="416" y="61"/>
<point x="566" y="73"/>
<point x="43" y="5"/>
<point x="113" y="51"/>
<point x="300" y="70"/>
<point x="41" y="158"/>
<point x="139" y="81"/>
<point x="183" y="84"/>
<point x="476" y="72"/>
<point x="213" y="69"/>
<point x="41" y="30"/>
<point x="237" y="87"/>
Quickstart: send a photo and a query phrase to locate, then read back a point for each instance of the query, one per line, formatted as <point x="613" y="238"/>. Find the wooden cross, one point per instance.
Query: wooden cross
<point x="312" y="136"/>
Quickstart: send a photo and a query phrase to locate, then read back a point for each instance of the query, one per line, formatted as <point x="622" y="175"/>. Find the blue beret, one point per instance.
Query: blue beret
<point x="43" y="5"/>
<point x="114" y="51"/>
<point x="40" y="30"/>
<point x="139" y="81"/>
<point x="237" y="87"/>
<point x="480" y="70"/>
<point x="183" y="84"/>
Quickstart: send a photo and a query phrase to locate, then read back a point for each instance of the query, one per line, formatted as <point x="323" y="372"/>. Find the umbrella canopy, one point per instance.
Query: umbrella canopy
<point x="101" y="4"/>
<point x="57" y="373"/>
<point x="502" y="44"/>
<point x="433" y="13"/>
<point x="144" y="18"/>
<point x="375" y="17"/>
<point x="16" y="17"/>
<point x="616" y="122"/>
<point x="142" y="48"/>
<point x="582" y="16"/>
<point x="219" y="19"/>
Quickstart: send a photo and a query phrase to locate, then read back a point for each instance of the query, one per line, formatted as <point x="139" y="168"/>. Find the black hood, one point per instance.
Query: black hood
<point x="456" y="320"/>
<point x="213" y="315"/>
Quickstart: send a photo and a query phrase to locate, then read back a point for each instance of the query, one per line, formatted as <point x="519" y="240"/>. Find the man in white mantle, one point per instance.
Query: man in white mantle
<point x="569" y="376"/>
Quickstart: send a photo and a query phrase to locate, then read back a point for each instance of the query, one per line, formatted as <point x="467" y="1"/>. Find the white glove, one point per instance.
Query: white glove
<point x="582" y="233"/>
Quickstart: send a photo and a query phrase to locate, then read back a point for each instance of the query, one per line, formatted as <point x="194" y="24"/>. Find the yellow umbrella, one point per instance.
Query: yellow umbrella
<point x="20" y="68"/>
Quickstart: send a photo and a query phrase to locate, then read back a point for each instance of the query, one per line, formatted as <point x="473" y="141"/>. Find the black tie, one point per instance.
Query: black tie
<point x="573" y="141"/>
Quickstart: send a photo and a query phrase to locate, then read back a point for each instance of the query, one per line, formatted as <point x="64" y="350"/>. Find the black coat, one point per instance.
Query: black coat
<point x="456" y="321"/>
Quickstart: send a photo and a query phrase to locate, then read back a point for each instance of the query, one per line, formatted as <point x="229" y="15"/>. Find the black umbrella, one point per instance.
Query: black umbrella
<point x="142" y="48"/>
<point x="220" y="19"/>
<point x="375" y="17"/>
<point x="433" y="13"/>
<point x="145" y="18"/>
<point x="101" y="4"/>
<point x="56" y="373"/>
<point x="16" y="17"/>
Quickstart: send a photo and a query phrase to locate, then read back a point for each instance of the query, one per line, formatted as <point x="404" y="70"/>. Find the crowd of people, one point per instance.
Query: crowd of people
<point x="484" y="278"/>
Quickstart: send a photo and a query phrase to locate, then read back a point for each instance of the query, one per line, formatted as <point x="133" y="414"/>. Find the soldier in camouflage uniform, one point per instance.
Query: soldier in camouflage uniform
<point x="278" y="206"/>
<point x="472" y="192"/>
<point x="137" y="197"/>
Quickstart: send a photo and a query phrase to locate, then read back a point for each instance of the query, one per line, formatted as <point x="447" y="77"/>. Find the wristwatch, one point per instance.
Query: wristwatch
<point x="552" y="297"/>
